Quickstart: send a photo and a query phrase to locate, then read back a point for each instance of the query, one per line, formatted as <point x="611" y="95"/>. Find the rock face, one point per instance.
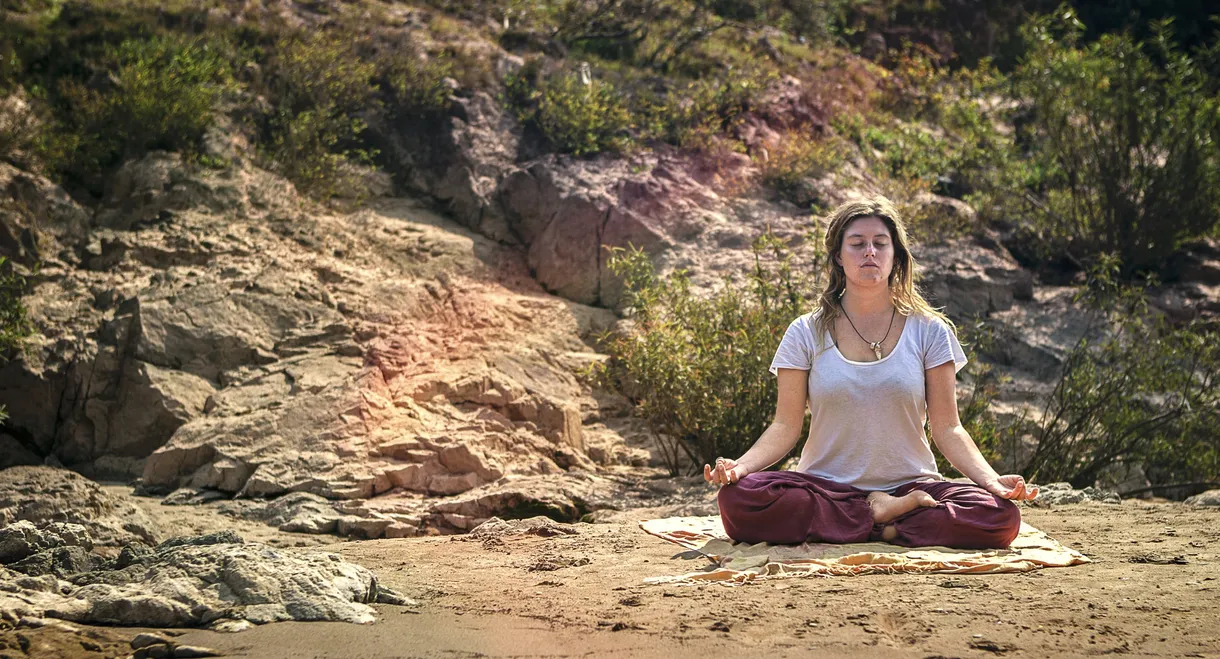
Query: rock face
<point x="203" y="332"/>
<point x="1208" y="498"/>
<point x="189" y="582"/>
<point x="35" y="495"/>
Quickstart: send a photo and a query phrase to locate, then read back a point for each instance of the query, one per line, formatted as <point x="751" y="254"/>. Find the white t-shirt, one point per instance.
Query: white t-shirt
<point x="868" y="417"/>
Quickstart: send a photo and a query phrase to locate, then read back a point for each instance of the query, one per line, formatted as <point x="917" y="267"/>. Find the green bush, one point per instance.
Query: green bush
<point x="1125" y="140"/>
<point x="580" y="118"/>
<point x="417" y="87"/>
<point x="974" y="409"/>
<point x="15" y="324"/>
<point x="797" y="157"/>
<point x="1148" y="393"/>
<point x="697" y="367"/>
<point x="162" y="97"/>
<point x="705" y="109"/>
<point x="319" y="86"/>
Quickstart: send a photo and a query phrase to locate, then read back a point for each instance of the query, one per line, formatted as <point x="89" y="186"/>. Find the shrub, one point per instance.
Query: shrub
<point x="974" y="409"/>
<point x="696" y="367"/>
<point x="1147" y="393"/>
<point x="797" y="157"/>
<point x="1124" y="135"/>
<point x="417" y="87"/>
<point x="319" y="86"/>
<point x="582" y="118"/>
<point x="163" y="93"/>
<point x="15" y="324"/>
<point x="704" y="109"/>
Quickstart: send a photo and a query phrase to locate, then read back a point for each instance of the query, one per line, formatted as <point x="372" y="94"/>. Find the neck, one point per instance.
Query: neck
<point x="859" y="302"/>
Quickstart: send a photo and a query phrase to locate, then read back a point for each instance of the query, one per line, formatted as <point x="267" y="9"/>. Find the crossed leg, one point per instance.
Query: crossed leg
<point x="786" y="507"/>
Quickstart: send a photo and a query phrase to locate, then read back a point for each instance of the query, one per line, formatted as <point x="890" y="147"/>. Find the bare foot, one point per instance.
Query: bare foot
<point x="886" y="507"/>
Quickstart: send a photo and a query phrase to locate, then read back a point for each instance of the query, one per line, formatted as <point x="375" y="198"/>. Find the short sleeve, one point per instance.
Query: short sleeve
<point x="796" y="348"/>
<point x="941" y="345"/>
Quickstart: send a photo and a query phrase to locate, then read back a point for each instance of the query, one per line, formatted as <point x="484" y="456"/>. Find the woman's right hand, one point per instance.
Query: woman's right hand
<point x="726" y="472"/>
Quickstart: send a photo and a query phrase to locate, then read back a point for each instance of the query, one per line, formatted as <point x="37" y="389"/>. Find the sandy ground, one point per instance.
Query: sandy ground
<point x="1152" y="590"/>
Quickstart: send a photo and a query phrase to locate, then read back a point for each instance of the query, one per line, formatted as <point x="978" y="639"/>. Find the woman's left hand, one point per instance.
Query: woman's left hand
<point x="1012" y="486"/>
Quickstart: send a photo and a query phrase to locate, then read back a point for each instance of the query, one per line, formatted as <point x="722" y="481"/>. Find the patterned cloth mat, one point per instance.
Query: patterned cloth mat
<point x="736" y="563"/>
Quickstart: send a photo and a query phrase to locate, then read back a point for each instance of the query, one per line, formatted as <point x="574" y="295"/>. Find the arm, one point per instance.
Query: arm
<point x="779" y="437"/>
<point x="957" y="445"/>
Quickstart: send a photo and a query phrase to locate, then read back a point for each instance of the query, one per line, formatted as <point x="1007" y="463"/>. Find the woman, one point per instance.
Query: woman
<point x="872" y="363"/>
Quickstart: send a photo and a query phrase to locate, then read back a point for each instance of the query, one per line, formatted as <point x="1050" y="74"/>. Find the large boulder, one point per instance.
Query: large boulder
<point x="47" y="494"/>
<point x="973" y="277"/>
<point x="1208" y="498"/>
<point x="215" y="580"/>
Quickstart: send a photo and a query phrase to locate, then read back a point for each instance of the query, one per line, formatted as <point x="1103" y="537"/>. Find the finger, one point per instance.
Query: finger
<point x="1032" y="493"/>
<point x="1018" y="490"/>
<point x="707" y="473"/>
<point x="732" y="474"/>
<point x="720" y="477"/>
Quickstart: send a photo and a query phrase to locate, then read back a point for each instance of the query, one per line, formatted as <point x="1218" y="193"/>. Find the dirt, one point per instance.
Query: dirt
<point x="1152" y="590"/>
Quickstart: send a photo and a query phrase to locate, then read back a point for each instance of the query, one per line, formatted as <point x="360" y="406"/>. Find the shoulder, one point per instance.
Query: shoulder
<point x="930" y="323"/>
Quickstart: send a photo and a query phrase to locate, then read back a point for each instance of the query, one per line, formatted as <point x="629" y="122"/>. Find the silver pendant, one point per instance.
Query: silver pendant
<point x="876" y="349"/>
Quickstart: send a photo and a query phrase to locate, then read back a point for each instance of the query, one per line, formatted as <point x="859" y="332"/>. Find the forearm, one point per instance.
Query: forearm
<point x="959" y="448"/>
<point x="775" y="443"/>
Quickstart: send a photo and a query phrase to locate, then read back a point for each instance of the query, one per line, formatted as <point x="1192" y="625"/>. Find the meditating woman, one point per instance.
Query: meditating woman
<point x="872" y="362"/>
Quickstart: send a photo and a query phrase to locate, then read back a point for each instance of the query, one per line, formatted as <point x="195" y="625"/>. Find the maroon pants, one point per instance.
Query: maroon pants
<point x="790" y="507"/>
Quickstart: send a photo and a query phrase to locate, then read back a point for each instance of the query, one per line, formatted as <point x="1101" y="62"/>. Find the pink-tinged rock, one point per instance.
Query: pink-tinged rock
<point x="452" y="483"/>
<point x="564" y="257"/>
<point x="461" y="458"/>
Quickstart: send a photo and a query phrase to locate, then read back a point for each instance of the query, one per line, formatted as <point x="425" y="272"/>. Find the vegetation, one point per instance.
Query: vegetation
<point x="696" y="367"/>
<point x="1148" y="393"/>
<point x="15" y="324"/>
<point x="1124" y="135"/>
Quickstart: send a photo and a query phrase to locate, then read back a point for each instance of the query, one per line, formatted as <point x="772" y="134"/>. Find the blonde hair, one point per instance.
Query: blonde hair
<point x="905" y="295"/>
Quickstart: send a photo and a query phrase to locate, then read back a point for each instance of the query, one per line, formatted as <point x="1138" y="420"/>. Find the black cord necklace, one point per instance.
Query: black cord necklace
<point x="875" y="346"/>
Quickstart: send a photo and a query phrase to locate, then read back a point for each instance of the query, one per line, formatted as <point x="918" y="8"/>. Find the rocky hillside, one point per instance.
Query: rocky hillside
<point x="416" y="356"/>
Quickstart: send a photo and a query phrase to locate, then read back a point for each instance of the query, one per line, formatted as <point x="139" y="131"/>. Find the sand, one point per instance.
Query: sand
<point x="1152" y="590"/>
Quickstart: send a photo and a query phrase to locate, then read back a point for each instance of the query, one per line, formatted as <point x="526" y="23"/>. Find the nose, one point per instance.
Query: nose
<point x="869" y="248"/>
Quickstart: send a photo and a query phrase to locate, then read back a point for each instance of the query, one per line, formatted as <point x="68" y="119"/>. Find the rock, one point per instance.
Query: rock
<point x="13" y="453"/>
<point x="41" y="494"/>
<point x="145" y="639"/>
<point x="1062" y="493"/>
<point x="368" y="528"/>
<point x="214" y="538"/>
<point x="540" y="526"/>
<point x="387" y="595"/>
<point x="1208" y="498"/>
<point x="298" y="512"/>
<point x="972" y="280"/>
<point x="194" y="581"/>
<point x="23" y="539"/>
<point x="188" y="496"/>
<point x="193" y="651"/>
<point x="62" y="562"/>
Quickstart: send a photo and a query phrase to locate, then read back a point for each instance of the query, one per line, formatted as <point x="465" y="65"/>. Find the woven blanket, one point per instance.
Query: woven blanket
<point x="735" y="563"/>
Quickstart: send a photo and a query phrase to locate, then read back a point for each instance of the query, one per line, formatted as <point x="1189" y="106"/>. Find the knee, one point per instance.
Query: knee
<point x="1007" y="521"/>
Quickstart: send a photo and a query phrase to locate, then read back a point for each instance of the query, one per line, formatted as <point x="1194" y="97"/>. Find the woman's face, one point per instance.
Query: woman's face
<point x="867" y="255"/>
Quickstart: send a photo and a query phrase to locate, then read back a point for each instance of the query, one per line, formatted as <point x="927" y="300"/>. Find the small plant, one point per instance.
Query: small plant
<point x="320" y="87"/>
<point x="797" y="157"/>
<point x="581" y="117"/>
<point x="974" y="409"/>
<point x="696" y="366"/>
<point x="417" y="87"/>
<point x="15" y="325"/>
<point x="704" y="110"/>
<point x="163" y="93"/>
<point x="1147" y="393"/>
